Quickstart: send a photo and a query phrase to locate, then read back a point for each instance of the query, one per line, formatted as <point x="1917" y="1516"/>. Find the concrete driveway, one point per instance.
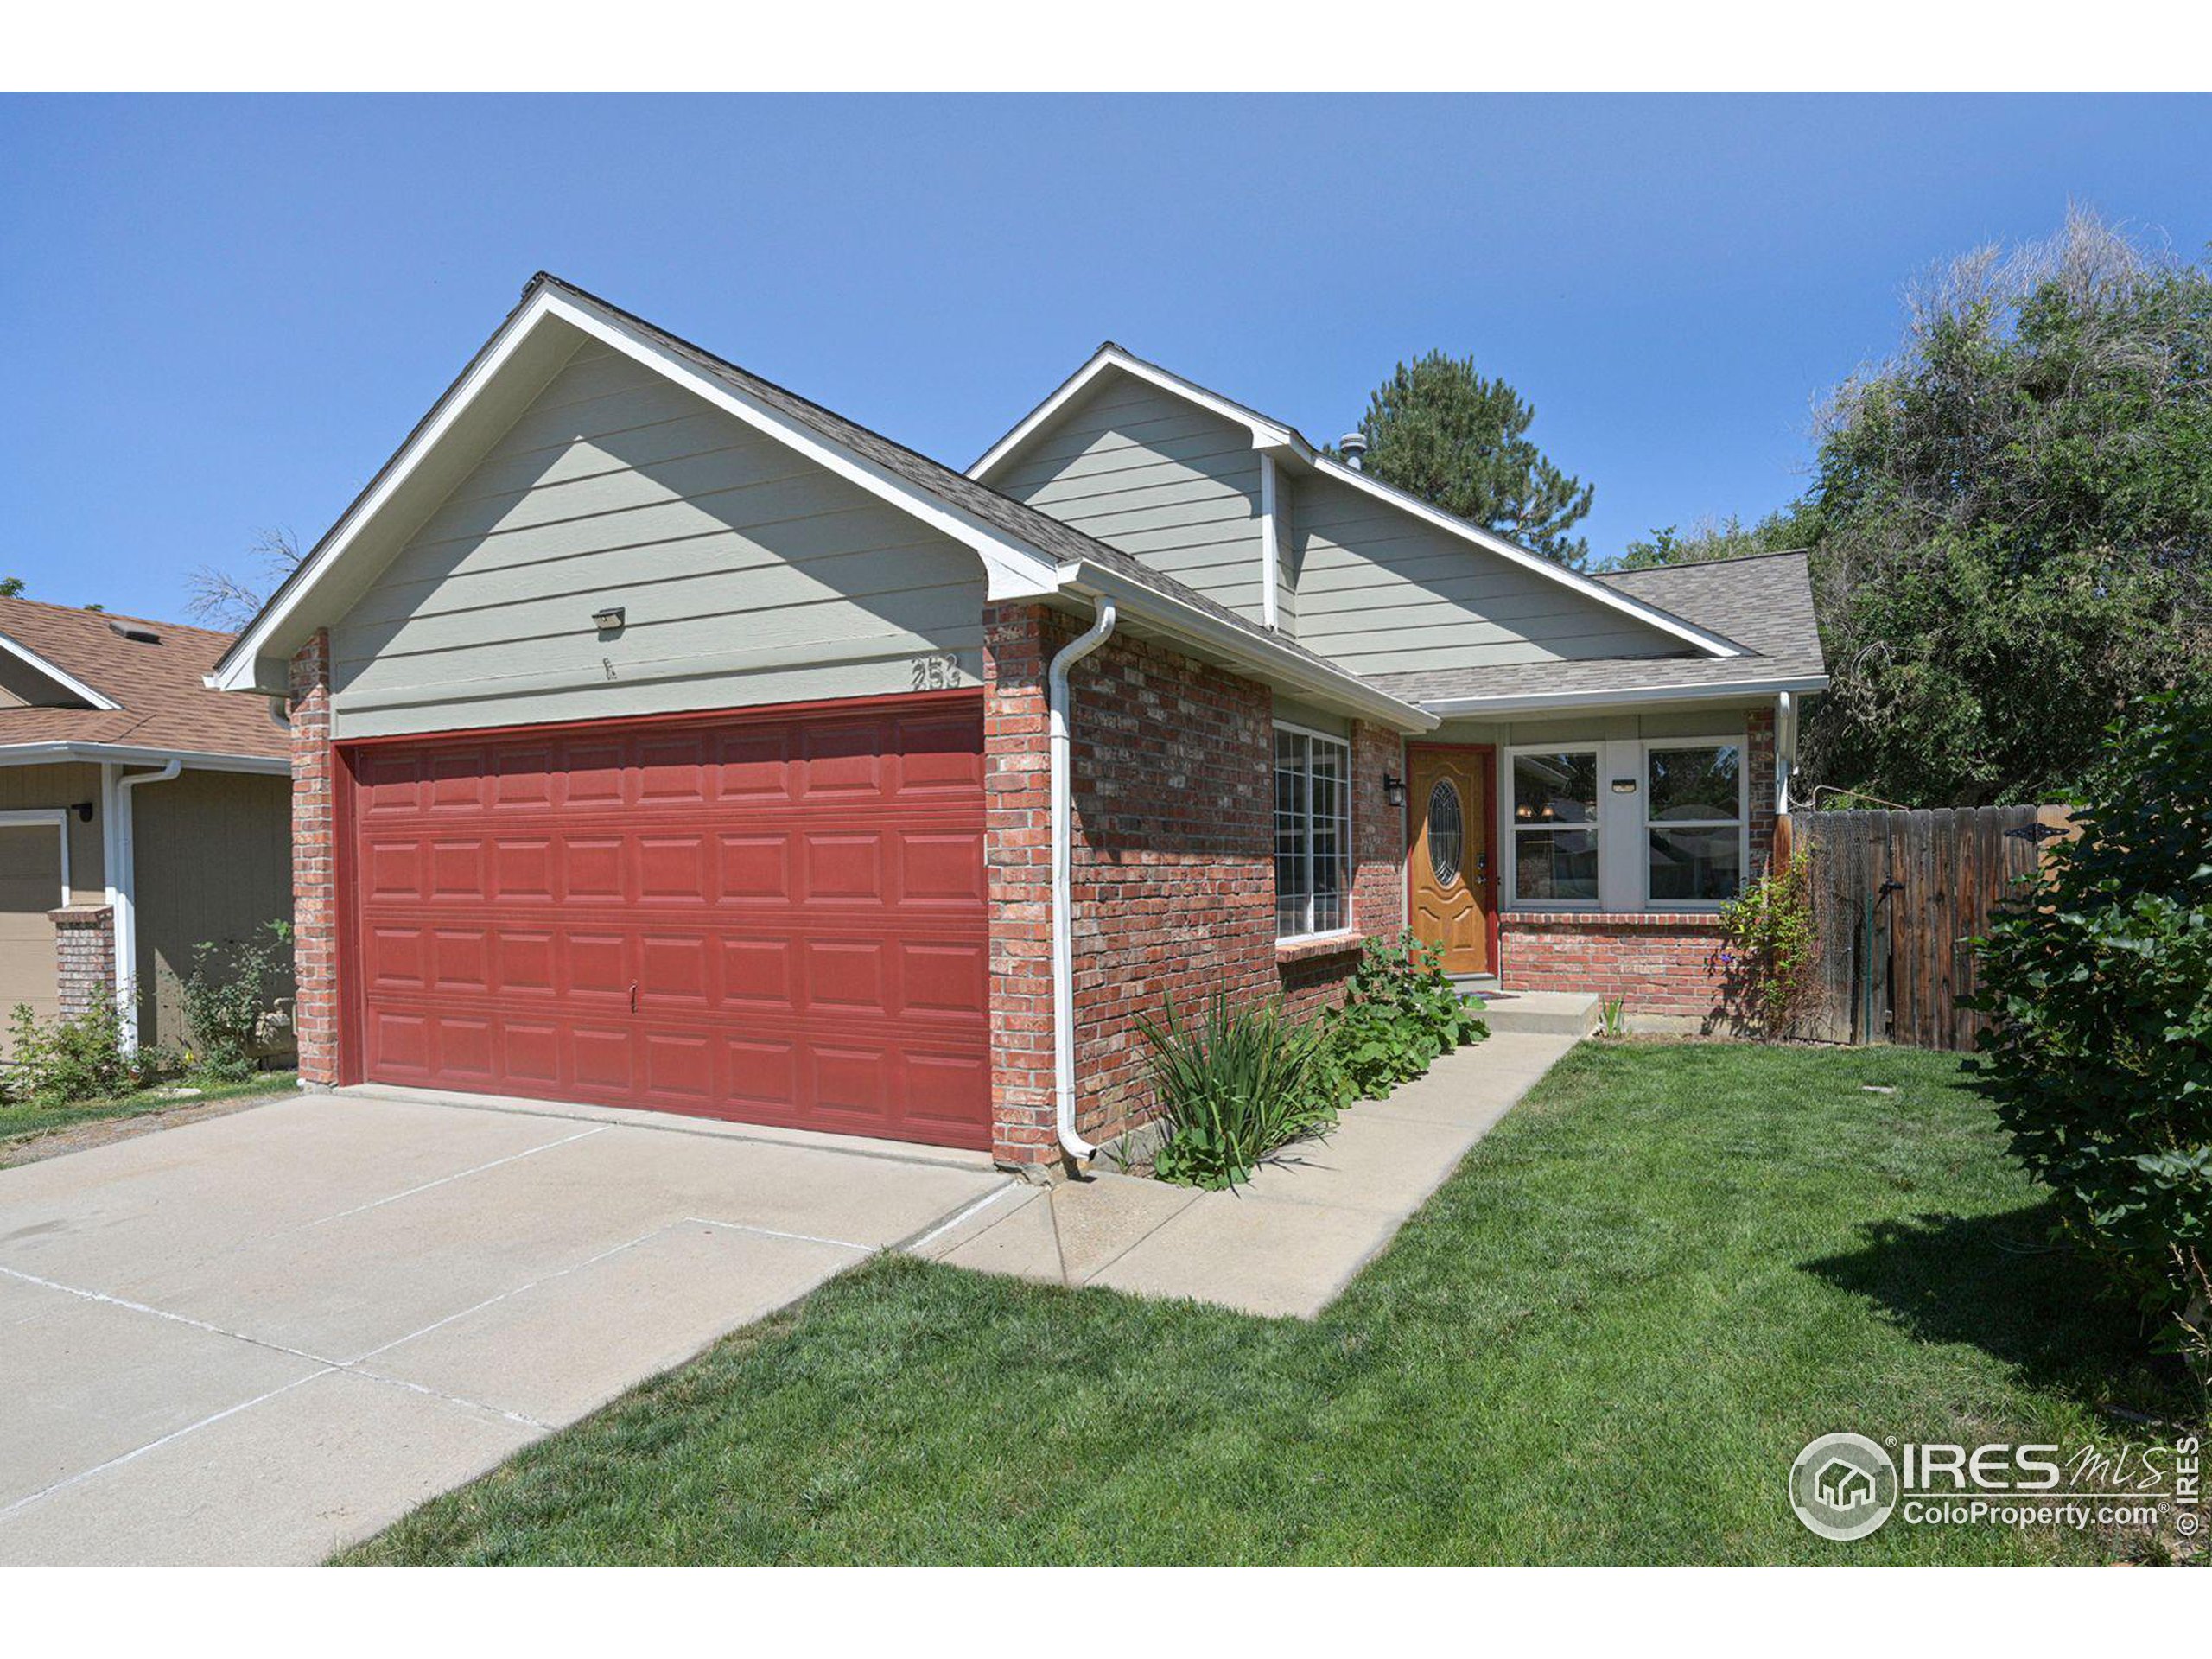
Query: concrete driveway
<point x="265" y="1335"/>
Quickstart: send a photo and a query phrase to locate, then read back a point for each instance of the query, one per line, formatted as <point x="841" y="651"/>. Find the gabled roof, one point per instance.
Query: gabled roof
<point x="1270" y="435"/>
<point x="148" y="695"/>
<point x="1025" y="553"/>
<point x="1765" y="601"/>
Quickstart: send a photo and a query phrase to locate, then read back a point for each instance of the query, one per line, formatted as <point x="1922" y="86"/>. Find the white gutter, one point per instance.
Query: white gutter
<point x="1517" y="702"/>
<point x="123" y="887"/>
<point x="40" y="755"/>
<point x="1062" y="816"/>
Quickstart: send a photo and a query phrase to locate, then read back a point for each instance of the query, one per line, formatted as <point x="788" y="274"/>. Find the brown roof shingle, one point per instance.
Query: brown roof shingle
<point x="165" y="705"/>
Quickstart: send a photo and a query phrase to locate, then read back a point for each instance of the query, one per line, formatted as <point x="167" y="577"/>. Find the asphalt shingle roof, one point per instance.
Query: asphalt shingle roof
<point x="165" y="704"/>
<point x="1762" y="603"/>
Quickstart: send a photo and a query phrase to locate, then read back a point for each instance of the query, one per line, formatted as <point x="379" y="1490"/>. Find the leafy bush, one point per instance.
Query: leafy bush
<point x="53" y="1061"/>
<point x="1770" y="951"/>
<point x="1233" y="1085"/>
<point x="1400" y="1013"/>
<point x="2099" y="982"/>
<point x="228" y="996"/>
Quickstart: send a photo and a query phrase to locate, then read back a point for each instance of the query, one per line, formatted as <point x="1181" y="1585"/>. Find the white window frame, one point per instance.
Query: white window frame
<point x="58" y="816"/>
<point x="1343" y="744"/>
<point x="1509" y="896"/>
<point x="1738" y="742"/>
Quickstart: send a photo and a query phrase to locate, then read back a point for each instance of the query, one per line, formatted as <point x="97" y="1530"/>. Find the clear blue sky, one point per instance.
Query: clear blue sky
<point x="222" y="314"/>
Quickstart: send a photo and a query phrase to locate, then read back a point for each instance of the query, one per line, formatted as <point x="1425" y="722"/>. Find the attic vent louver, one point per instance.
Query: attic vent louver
<point x="131" y="632"/>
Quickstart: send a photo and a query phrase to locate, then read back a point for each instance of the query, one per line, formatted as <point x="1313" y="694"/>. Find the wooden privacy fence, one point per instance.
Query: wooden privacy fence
<point x="1899" y="898"/>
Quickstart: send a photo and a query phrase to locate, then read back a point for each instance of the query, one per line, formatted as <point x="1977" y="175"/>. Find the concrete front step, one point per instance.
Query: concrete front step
<point x="1568" y="1014"/>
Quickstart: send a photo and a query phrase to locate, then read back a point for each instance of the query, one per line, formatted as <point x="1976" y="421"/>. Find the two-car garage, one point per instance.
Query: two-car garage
<point x="778" y="916"/>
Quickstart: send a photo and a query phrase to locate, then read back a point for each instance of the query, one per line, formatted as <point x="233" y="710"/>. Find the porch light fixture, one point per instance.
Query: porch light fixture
<point x="608" y="618"/>
<point x="84" y="811"/>
<point x="1623" y="785"/>
<point x="1394" y="789"/>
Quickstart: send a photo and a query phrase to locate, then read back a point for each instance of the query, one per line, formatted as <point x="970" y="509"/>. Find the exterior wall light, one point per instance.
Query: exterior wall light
<point x="608" y="618"/>
<point x="1394" y="789"/>
<point x="1623" y="785"/>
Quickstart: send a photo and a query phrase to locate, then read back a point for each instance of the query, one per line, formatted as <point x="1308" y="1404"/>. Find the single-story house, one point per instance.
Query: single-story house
<point x="141" y="812"/>
<point x="663" y="738"/>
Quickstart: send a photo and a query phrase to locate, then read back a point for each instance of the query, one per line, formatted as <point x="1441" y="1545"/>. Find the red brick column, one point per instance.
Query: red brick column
<point x="1378" y="832"/>
<point x="1018" y="851"/>
<point x="315" y="882"/>
<point x="83" y="956"/>
<point x="1759" y="756"/>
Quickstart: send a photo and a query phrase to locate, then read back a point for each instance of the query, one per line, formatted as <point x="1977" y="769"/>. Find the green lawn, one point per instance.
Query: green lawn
<point x="21" y="1123"/>
<point x="1604" y="1339"/>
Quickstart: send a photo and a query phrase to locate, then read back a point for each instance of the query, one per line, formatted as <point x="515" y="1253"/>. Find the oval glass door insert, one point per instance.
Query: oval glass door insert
<point x="1444" y="833"/>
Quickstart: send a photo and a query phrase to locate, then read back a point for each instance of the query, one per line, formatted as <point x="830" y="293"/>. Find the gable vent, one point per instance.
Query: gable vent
<point x="138" y="635"/>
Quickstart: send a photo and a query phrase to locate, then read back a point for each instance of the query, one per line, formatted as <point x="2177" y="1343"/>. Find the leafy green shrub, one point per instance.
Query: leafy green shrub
<point x="1400" y="1013"/>
<point x="2099" y="983"/>
<point x="1233" y="1085"/>
<point x="1769" y="954"/>
<point x="53" y="1061"/>
<point x="228" y="995"/>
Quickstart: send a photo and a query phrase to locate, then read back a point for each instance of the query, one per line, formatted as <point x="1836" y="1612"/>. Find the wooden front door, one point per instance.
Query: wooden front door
<point x="1448" y="867"/>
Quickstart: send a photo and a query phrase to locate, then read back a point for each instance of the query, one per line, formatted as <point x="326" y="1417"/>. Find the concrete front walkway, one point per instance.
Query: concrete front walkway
<point x="256" y="1338"/>
<point x="1290" y="1241"/>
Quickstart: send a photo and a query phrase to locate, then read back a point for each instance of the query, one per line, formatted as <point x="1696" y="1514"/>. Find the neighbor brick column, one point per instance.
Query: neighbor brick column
<point x="83" y="956"/>
<point x="314" y="880"/>
<point x="1017" y="805"/>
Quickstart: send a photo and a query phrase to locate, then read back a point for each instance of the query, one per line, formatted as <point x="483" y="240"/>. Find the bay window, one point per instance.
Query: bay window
<point x="1313" y="833"/>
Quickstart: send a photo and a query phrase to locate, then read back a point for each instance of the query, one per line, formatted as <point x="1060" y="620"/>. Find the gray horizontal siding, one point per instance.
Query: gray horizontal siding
<point x="1161" y="480"/>
<point x="749" y="575"/>
<point x="1382" y="592"/>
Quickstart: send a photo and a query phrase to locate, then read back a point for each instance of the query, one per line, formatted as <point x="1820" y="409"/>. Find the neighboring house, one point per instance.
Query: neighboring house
<point x="141" y="813"/>
<point x="664" y="740"/>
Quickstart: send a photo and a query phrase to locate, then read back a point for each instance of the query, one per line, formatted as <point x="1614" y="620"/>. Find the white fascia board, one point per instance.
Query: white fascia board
<point x="60" y="676"/>
<point x="1266" y="434"/>
<point x="1272" y="437"/>
<point x="1712" y="643"/>
<point x="125" y="755"/>
<point x="1337" y="687"/>
<point x="1624" y="696"/>
<point x="1012" y="570"/>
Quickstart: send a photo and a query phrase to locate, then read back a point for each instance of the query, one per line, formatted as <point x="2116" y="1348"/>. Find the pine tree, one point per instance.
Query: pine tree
<point x="1439" y="430"/>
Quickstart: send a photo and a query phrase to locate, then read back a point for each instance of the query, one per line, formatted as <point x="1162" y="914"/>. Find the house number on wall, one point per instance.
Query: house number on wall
<point x="936" y="673"/>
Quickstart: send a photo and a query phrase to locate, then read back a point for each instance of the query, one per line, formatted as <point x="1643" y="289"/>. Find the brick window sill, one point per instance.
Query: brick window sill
<point x="1701" y="921"/>
<point x="1326" y="944"/>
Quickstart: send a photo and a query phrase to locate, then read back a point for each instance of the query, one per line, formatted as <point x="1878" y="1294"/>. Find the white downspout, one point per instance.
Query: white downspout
<point x="1270" y="545"/>
<point x="1063" y="819"/>
<point x="122" y="882"/>
<point x="1785" y="748"/>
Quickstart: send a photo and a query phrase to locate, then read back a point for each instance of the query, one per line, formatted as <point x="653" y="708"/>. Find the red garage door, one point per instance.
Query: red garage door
<point x="776" y="918"/>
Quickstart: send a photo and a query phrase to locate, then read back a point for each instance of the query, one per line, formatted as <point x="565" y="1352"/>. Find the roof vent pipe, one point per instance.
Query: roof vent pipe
<point x="1354" y="446"/>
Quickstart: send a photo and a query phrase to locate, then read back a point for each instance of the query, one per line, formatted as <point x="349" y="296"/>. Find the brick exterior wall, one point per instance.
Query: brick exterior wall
<point x="1173" y="866"/>
<point x="315" y="891"/>
<point x="1663" y="964"/>
<point x="1659" y="964"/>
<point x="83" y="956"/>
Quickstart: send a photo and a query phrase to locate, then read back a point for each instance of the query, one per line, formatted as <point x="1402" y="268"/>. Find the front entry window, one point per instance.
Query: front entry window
<point x="1694" y="823"/>
<point x="1555" y="827"/>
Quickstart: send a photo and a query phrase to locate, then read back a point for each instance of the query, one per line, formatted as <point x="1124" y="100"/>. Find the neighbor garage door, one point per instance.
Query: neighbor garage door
<point x="769" y="919"/>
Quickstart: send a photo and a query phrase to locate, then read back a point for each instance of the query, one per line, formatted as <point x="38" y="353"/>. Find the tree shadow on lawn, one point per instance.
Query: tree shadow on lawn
<point x="2006" y="1284"/>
